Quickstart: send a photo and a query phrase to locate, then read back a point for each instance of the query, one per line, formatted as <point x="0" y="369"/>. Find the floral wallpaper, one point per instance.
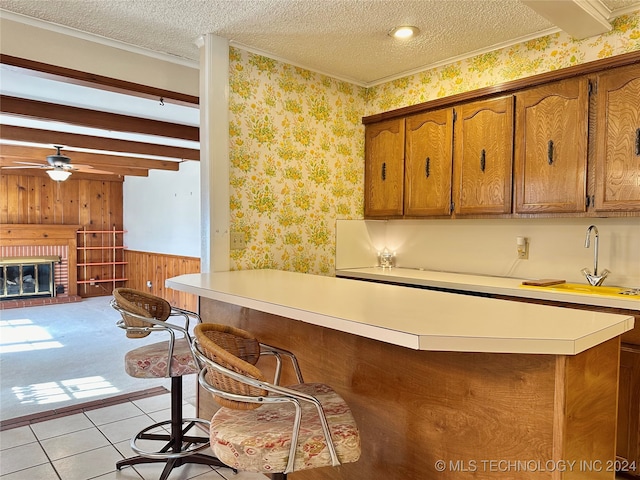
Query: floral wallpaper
<point x="539" y="55"/>
<point x="297" y="140"/>
<point x="296" y="156"/>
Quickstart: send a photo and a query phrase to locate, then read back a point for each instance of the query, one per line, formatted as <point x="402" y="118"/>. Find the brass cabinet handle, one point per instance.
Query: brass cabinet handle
<point x="427" y="167"/>
<point x="550" y="152"/>
<point x="638" y="141"/>
<point x="384" y="171"/>
<point x="483" y="160"/>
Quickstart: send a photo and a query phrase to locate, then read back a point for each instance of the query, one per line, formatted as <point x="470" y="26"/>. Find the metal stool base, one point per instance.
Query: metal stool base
<point x="178" y="448"/>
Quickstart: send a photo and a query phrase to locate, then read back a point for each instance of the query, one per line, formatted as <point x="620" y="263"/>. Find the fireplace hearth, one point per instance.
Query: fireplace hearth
<point x="27" y="277"/>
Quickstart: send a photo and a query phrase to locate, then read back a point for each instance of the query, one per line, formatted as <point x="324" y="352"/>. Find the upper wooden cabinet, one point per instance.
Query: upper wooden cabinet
<point x="384" y="169"/>
<point x="551" y="148"/>
<point x="428" y="163"/>
<point x="483" y="157"/>
<point x="618" y="140"/>
<point x="565" y="143"/>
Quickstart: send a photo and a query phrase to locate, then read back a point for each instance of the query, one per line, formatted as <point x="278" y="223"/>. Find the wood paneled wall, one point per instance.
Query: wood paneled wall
<point x="156" y="268"/>
<point x="94" y="205"/>
<point x="36" y="199"/>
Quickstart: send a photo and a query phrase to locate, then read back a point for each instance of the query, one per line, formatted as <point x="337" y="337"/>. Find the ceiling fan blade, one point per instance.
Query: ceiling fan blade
<point x="88" y="169"/>
<point x="20" y="164"/>
<point x="23" y="167"/>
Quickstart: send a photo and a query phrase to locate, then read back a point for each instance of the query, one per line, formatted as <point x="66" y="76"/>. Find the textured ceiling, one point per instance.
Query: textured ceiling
<point x="343" y="38"/>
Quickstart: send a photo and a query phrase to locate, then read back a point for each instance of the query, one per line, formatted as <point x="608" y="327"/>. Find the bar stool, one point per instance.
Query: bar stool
<point x="263" y="427"/>
<point x="143" y="314"/>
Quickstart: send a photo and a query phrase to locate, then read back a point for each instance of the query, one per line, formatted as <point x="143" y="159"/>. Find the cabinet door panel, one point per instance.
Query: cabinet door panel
<point x="551" y="147"/>
<point x="483" y="157"/>
<point x="384" y="169"/>
<point x="428" y="157"/>
<point x="628" y="438"/>
<point x="618" y="141"/>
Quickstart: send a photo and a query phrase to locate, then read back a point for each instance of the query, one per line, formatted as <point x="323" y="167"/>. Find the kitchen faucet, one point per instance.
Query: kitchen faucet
<point x="594" y="279"/>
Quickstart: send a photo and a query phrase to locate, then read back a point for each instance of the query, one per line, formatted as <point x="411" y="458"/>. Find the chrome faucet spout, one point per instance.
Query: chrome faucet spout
<point x="595" y="249"/>
<point x="594" y="279"/>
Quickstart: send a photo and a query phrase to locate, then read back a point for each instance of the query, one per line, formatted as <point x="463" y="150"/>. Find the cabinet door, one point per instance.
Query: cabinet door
<point x="428" y="156"/>
<point x="483" y="157"/>
<point x="384" y="169"/>
<point x="628" y="439"/>
<point x="551" y="148"/>
<point x="618" y="140"/>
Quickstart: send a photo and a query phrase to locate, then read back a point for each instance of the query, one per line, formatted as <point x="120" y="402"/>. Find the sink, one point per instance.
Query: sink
<point x="582" y="289"/>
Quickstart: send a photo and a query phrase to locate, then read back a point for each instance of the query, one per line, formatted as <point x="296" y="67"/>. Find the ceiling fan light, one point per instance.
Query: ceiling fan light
<point x="404" y="32"/>
<point x="58" y="174"/>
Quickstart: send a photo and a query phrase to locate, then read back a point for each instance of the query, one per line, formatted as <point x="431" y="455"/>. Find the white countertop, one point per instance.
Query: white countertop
<point x="410" y="317"/>
<point x="484" y="284"/>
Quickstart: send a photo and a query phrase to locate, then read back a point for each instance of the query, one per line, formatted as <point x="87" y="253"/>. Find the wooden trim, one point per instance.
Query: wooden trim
<point x="96" y="119"/>
<point x="77" y="77"/>
<point x="508" y="87"/>
<point x="34" y="135"/>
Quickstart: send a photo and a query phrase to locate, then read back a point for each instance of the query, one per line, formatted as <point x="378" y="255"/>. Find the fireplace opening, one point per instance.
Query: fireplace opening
<point x="27" y="277"/>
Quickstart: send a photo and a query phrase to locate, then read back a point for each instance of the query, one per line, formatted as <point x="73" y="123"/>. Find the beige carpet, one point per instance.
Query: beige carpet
<point x="57" y="356"/>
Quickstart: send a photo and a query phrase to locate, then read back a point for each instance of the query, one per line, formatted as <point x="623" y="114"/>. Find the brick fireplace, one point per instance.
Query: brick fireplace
<point x="42" y="241"/>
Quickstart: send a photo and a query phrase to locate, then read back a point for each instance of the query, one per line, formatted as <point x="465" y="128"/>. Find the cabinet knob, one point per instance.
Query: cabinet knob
<point x="483" y="160"/>
<point x="550" y="152"/>
<point x="427" y="167"/>
<point x="384" y="171"/>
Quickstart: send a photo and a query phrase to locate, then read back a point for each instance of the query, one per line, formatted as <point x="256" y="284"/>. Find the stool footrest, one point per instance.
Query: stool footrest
<point x="188" y="444"/>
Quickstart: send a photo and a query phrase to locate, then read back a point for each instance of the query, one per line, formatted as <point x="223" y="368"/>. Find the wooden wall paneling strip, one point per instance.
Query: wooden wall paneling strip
<point x="29" y="199"/>
<point x="49" y="194"/>
<point x="4" y="200"/>
<point x="144" y="266"/>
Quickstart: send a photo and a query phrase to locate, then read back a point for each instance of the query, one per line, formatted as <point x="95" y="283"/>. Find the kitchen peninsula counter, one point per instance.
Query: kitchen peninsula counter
<point x="439" y="383"/>
<point x="418" y="319"/>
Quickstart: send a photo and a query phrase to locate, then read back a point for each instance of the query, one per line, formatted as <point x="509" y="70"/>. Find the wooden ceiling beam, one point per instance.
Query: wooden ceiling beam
<point x="77" y="77"/>
<point x="34" y="135"/>
<point x="39" y="155"/>
<point x="93" y="118"/>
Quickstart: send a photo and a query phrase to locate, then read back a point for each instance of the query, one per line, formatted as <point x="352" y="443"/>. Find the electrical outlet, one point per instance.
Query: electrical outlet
<point x="238" y="241"/>
<point x="522" y="245"/>
<point x="92" y="282"/>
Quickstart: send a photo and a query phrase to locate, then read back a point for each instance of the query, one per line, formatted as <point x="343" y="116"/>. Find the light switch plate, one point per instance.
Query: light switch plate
<point x="237" y="241"/>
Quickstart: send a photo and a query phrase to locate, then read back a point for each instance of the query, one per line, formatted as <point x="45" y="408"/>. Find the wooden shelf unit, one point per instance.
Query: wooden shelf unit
<point x="100" y="258"/>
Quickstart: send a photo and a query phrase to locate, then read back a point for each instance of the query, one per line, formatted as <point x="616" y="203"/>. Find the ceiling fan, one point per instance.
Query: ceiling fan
<point x="59" y="166"/>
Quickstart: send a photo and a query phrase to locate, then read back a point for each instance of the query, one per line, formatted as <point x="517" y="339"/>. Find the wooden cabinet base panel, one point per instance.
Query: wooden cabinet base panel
<point x="451" y="415"/>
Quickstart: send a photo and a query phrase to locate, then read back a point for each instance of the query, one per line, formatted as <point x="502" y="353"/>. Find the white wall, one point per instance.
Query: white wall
<point x="488" y="247"/>
<point x="162" y="211"/>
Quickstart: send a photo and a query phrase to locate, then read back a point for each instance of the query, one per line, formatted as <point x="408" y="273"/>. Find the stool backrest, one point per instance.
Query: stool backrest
<point x="233" y="349"/>
<point x="142" y="304"/>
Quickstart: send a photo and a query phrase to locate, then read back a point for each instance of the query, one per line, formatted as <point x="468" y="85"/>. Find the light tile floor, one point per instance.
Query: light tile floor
<point x="87" y="445"/>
